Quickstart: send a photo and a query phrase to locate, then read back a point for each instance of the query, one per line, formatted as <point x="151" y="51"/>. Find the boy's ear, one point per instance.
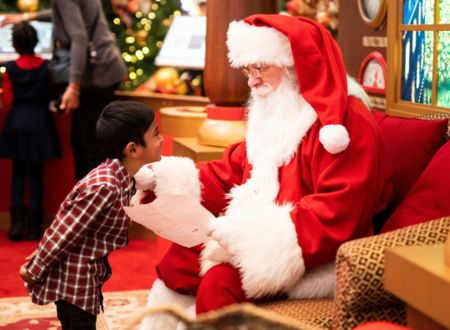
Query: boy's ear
<point x="130" y="150"/>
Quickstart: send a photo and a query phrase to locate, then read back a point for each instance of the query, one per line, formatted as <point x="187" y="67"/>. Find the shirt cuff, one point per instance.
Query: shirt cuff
<point x="36" y="268"/>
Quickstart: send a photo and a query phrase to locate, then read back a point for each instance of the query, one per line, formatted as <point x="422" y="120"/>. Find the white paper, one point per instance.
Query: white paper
<point x="179" y="218"/>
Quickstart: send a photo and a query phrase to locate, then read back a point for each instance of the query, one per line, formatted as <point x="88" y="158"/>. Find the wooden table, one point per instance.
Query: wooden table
<point x="189" y="147"/>
<point x="419" y="276"/>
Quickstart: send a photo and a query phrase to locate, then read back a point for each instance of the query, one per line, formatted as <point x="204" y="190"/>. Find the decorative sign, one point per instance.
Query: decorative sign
<point x="380" y="42"/>
<point x="372" y="74"/>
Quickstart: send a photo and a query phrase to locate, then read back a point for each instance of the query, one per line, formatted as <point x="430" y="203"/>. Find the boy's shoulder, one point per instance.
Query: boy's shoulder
<point x="111" y="173"/>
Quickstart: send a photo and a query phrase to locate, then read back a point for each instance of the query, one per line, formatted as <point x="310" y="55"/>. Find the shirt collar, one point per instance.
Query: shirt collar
<point x="124" y="180"/>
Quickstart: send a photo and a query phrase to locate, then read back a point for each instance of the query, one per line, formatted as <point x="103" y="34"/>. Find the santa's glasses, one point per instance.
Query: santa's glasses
<point x="255" y="71"/>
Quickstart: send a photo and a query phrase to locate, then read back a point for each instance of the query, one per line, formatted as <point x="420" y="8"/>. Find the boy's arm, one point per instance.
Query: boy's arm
<point x="75" y="216"/>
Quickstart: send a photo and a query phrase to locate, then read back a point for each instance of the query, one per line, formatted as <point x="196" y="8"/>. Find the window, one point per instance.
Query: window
<point x="418" y="57"/>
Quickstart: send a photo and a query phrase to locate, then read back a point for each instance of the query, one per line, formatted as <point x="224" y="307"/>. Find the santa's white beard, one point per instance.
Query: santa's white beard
<point x="270" y="115"/>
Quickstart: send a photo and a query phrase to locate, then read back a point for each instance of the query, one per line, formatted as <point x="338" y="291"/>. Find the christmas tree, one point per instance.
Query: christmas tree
<point x="139" y="28"/>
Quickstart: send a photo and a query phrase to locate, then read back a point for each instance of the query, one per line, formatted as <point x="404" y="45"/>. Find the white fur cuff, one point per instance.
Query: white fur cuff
<point x="145" y="178"/>
<point x="264" y="243"/>
<point x="176" y="176"/>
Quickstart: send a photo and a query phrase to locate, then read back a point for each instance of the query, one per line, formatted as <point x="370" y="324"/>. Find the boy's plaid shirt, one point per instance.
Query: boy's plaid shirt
<point x="89" y="225"/>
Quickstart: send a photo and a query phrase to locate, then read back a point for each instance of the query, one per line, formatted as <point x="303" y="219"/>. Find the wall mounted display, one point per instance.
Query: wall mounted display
<point x="372" y="74"/>
<point x="373" y="12"/>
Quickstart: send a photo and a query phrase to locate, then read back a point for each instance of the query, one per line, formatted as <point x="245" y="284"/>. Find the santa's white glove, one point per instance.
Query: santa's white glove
<point x="145" y="178"/>
<point x="221" y="230"/>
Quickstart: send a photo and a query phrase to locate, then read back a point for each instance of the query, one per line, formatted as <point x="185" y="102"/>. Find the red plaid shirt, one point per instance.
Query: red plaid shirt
<point x="71" y="258"/>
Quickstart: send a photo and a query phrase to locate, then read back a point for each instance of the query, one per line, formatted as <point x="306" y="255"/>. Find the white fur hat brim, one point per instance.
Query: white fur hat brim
<point x="249" y="44"/>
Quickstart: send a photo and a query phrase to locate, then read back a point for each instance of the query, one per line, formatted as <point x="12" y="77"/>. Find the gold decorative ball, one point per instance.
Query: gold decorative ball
<point x="28" y="5"/>
<point x="167" y="80"/>
<point x="141" y="37"/>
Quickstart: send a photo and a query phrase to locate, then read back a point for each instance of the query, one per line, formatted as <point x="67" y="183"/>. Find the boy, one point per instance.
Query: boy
<point x="71" y="262"/>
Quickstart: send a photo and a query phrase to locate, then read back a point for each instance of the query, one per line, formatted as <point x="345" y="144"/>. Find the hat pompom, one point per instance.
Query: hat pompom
<point x="334" y="138"/>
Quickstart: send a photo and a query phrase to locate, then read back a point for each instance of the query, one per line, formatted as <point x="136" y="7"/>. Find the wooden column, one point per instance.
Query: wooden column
<point x="224" y="86"/>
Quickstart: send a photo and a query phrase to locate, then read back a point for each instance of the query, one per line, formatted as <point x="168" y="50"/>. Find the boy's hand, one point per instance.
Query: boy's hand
<point x="31" y="256"/>
<point x="26" y="276"/>
<point x="23" y="272"/>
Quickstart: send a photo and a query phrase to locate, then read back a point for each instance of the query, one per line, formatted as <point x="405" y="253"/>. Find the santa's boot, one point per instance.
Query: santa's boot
<point x="34" y="232"/>
<point x="17" y="214"/>
<point x="162" y="295"/>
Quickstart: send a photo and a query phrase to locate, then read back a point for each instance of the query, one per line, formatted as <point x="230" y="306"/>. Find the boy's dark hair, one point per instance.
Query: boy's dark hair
<point x="120" y="123"/>
<point x="24" y="38"/>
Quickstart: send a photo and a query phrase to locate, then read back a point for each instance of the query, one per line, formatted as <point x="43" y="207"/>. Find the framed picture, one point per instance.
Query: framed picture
<point x="373" y="12"/>
<point x="372" y="74"/>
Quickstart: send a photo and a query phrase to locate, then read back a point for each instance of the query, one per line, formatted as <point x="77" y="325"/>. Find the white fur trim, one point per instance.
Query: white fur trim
<point x="145" y="178"/>
<point x="138" y="197"/>
<point x="160" y="294"/>
<point x="334" y="138"/>
<point x="211" y="255"/>
<point x="356" y="89"/>
<point x="176" y="176"/>
<point x="264" y="247"/>
<point x="191" y="312"/>
<point x="317" y="283"/>
<point x="250" y="44"/>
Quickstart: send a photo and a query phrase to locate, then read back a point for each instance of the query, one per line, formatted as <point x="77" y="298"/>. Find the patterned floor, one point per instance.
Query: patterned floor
<point x="19" y="313"/>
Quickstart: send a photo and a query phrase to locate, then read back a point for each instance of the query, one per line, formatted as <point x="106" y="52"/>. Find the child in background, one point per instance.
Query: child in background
<point x="29" y="134"/>
<point x="70" y="265"/>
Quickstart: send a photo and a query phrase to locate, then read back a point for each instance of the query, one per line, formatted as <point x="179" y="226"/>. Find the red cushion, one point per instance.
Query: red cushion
<point x="381" y="325"/>
<point x="429" y="197"/>
<point x="410" y="143"/>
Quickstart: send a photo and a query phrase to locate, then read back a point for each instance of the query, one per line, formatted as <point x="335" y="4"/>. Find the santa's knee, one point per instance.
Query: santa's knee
<point x="221" y="286"/>
<point x="179" y="269"/>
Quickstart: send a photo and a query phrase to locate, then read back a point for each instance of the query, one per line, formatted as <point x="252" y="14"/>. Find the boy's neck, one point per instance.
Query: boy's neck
<point x="131" y="166"/>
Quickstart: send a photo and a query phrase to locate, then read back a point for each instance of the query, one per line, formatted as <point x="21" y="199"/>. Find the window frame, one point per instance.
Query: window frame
<point x="395" y="27"/>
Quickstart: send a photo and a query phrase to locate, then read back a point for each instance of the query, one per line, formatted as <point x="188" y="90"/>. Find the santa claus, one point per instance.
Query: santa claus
<point x="309" y="176"/>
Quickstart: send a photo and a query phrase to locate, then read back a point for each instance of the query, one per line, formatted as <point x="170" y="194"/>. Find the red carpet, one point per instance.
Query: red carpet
<point x="133" y="266"/>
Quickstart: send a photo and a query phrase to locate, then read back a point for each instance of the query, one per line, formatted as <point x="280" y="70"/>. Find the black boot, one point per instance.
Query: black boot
<point x="34" y="232"/>
<point x="17" y="229"/>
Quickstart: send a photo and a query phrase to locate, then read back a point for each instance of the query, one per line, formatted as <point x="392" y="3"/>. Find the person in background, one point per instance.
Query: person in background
<point x="70" y="264"/>
<point x="29" y="134"/>
<point x="72" y="22"/>
<point x="309" y="176"/>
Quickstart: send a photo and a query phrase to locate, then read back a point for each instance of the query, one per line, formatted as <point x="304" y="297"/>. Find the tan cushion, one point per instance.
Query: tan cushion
<point x="312" y="314"/>
<point x="359" y="295"/>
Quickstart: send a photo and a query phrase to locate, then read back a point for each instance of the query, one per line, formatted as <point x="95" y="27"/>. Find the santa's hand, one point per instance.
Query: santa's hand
<point x="145" y="178"/>
<point x="221" y="230"/>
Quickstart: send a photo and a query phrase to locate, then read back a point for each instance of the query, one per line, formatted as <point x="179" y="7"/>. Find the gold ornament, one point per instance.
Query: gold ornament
<point x="28" y="5"/>
<point x="167" y="80"/>
<point x="141" y="37"/>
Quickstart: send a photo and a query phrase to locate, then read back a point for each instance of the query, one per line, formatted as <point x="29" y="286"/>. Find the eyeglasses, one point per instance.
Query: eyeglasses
<point x="255" y="71"/>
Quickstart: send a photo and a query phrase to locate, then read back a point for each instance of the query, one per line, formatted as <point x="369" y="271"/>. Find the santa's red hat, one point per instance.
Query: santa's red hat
<point x="301" y="42"/>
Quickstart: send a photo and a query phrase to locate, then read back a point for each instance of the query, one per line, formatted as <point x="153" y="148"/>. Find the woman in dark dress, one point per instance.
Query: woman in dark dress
<point x="29" y="134"/>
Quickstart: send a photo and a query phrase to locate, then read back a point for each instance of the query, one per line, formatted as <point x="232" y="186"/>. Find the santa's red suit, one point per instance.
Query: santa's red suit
<point x="289" y="197"/>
